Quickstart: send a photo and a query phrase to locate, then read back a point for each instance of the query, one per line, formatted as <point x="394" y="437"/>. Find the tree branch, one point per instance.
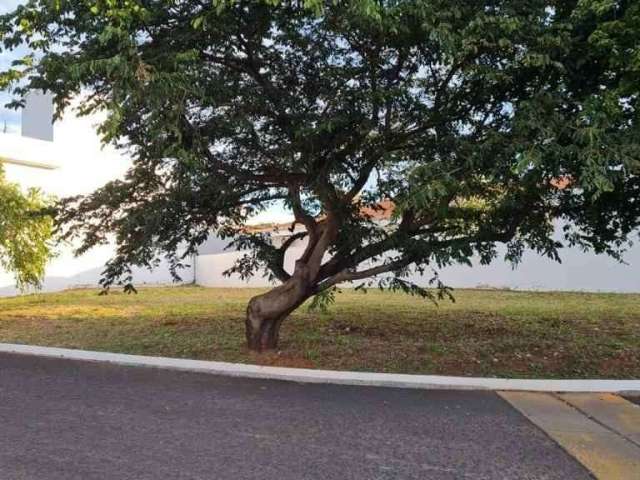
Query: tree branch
<point x="350" y="276"/>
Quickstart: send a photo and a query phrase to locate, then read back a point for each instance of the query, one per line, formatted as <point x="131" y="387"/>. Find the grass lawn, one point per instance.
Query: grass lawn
<point x="486" y="332"/>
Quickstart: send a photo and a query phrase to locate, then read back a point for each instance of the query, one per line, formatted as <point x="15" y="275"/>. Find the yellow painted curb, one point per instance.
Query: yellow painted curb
<point x="611" y="410"/>
<point x="605" y="453"/>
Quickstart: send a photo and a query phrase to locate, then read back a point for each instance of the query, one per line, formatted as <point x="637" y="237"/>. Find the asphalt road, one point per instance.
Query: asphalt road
<point x="70" y="420"/>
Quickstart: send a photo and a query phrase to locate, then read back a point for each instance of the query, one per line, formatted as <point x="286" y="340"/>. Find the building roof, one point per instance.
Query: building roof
<point x="561" y="182"/>
<point x="380" y="212"/>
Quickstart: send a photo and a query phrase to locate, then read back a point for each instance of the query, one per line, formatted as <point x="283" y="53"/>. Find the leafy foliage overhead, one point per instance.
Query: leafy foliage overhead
<point x="482" y="121"/>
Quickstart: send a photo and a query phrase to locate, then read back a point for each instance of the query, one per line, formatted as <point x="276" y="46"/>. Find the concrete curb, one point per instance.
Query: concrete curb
<point x="302" y="375"/>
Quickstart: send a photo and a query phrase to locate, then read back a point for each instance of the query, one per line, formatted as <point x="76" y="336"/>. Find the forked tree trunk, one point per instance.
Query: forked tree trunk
<point x="266" y="312"/>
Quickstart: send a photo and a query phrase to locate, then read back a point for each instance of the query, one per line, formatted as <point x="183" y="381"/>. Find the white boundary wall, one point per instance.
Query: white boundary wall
<point x="579" y="271"/>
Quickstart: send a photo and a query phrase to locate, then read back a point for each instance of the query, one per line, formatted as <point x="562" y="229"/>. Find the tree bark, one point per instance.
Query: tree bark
<point x="266" y="312"/>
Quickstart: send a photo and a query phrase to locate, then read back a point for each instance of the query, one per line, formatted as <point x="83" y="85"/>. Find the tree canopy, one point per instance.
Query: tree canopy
<point x="25" y="233"/>
<point x="483" y="122"/>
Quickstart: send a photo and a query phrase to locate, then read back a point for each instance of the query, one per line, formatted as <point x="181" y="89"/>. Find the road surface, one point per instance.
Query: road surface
<point x="66" y="420"/>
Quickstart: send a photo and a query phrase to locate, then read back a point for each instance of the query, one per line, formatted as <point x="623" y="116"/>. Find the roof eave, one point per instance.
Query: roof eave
<point x="29" y="163"/>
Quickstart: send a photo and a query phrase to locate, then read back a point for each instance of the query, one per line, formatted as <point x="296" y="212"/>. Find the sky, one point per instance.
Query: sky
<point x="11" y="117"/>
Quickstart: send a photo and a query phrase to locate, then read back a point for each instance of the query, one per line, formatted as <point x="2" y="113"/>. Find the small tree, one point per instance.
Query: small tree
<point x="25" y="233"/>
<point x="482" y="122"/>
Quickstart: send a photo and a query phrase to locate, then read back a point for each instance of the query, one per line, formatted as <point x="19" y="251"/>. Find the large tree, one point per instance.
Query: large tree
<point x="480" y="121"/>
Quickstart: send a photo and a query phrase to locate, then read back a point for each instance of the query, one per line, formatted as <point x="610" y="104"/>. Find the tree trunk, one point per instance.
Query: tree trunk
<point x="266" y="312"/>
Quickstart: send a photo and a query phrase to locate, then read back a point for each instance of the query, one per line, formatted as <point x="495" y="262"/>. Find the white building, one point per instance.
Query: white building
<point x="68" y="160"/>
<point x="65" y="159"/>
